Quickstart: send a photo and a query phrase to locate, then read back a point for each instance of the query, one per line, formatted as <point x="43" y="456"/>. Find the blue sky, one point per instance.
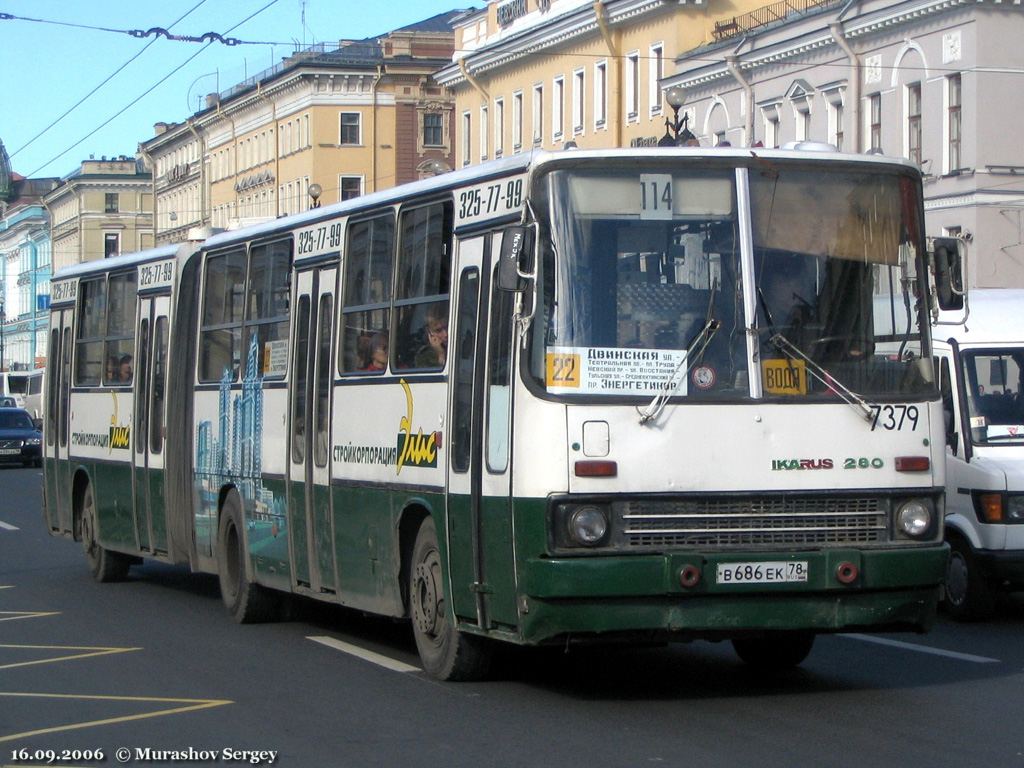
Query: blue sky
<point x="49" y="67"/>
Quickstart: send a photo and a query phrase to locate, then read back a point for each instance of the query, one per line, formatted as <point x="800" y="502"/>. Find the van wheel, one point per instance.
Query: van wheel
<point x="104" y="565"/>
<point x="247" y="603"/>
<point x="446" y="653"/>
<point x="775" y="650"/>
<point x="968" y="596"/>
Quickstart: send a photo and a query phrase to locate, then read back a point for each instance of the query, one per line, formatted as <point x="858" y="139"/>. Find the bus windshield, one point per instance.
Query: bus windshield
<point x="641" y="283"/>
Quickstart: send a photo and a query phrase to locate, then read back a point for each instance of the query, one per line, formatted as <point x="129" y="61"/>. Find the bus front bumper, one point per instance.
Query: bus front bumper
<point x="895" y="589"/>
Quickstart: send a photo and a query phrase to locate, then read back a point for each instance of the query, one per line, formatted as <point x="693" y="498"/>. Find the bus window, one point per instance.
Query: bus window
<point x="92" y="304"/>
<point x="120" y="337"/>
<point x="465" y="365"/>
<point x="421" y="290"/>
<point x="220" y="339"/>
<point x="156" y="419"/>
<point x="367" y="309"/>
<point x="267" y="302"/>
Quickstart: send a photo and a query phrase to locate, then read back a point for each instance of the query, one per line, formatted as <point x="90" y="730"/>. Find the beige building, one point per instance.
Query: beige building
<point x="100" y="210"/>
<point x="352" y="120"/>
<point x="542" y="73"/>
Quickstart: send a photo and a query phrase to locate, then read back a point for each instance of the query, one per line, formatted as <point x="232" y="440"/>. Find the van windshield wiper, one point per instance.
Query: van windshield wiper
<point x="847" y="395"/>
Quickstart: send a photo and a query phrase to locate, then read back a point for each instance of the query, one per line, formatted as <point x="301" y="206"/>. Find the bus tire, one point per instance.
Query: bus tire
<point x="774" y="650"/>
<point x="446" y="653"/>
<point x="246" y="603"/>
<point x="104" y="565"/>
<point x="967" y="596"/>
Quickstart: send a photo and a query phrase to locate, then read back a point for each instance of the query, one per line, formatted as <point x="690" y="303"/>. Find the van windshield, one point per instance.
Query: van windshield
<point x="995" y="395"/>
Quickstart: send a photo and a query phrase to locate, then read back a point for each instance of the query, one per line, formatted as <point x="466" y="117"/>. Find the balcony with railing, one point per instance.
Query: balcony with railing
<point x="768" y="15"/>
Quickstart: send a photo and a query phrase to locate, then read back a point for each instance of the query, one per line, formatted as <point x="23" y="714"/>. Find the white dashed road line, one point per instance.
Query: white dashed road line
<point x="923" y="649"/>
<point x="365" y="655"/>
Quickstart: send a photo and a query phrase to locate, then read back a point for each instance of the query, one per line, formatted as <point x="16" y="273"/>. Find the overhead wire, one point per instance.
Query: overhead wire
<point x="149" y="90"/>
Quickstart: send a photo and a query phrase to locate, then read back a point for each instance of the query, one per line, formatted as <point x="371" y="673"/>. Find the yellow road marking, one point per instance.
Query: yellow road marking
<point x="13" y="615"/>
<point x="192" y="705"/>
<point x="93" y="651"/>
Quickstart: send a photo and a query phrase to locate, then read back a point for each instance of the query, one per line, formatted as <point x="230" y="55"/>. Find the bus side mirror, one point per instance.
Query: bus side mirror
<point x="513" y="263"/>
<point x="948" y="260"/>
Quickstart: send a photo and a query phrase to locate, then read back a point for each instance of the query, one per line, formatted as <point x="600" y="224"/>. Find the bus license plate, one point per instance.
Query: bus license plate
<point x="763" y="573"/>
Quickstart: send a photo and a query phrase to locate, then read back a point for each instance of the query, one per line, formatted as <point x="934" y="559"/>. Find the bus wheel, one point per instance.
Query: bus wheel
<point x="775" y="650"/>
<point x="968" y="597"/>
<point x="446" y="653"/>
<point x="247" y="603"/>
<point x="103" y="564"/>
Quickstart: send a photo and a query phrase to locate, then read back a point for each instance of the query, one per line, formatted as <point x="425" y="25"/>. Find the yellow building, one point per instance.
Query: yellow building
<point x="100" y="210"/>
<point x="351" y="120"/>
<point x="542" y="73"/>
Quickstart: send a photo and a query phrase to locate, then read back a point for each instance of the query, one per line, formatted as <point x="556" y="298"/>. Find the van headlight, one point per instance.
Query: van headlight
<point x="915" y="519"/>
<point x="1015" y="508"/>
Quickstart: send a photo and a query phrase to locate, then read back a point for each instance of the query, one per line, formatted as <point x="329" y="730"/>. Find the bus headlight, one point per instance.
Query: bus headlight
<point x="914" y="519"/>
<point x="588" y="526"/>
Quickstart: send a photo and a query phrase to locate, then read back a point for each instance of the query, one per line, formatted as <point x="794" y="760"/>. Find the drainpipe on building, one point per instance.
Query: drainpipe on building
<point x="748" y="94"/>
<point x="837" y="34"/>
<point x="202" y="175"/>
<point x="373" y="134"/>
<point x="152" y="171"/>
<point x="473" y="81"/>
<point x="601" y="15"/>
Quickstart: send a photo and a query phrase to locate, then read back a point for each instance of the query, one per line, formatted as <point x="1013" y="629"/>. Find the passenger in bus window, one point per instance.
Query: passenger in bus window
<point x="378" y="352"/>
<point x="435" y="352"/>
<point x="125" y="369"/>
<point x="112" y="372"/>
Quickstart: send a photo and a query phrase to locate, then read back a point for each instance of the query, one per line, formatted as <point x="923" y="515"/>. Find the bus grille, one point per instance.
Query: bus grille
<point x="761" y="521"/>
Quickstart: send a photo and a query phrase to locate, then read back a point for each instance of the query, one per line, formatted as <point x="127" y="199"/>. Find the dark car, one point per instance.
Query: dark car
<point x="20" y="441"/>
<point x="8" y="402"/>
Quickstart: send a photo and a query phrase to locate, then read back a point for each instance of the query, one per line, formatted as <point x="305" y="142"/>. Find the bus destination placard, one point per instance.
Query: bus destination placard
<point x="614" y="371"/>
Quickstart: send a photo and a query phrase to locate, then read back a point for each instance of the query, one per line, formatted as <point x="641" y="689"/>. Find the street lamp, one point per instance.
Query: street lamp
<point x="676" y="132"/>
<point x="315" y="190"/>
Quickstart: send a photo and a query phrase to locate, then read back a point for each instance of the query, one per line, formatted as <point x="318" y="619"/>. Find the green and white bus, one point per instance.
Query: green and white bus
<point x="561" y="397"/>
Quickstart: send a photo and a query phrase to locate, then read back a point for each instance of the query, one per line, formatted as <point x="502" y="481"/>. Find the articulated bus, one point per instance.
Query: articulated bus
<point x="569" y="397"/>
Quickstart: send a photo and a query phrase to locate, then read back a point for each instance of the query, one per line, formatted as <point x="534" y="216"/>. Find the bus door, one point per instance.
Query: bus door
<point x="149" y="434"/>
<point x="309" y="470"/>
<point x="481" y="553"/>
<point x="56" y="426"/>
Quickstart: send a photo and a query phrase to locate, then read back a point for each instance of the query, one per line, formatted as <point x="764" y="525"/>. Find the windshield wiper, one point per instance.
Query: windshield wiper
<point x="694" y="351"/>
<point x="847" y="395"/>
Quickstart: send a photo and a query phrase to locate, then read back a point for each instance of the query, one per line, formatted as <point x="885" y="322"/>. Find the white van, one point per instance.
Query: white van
<point x="26" y="387"/>
<point x="981" y="376"/>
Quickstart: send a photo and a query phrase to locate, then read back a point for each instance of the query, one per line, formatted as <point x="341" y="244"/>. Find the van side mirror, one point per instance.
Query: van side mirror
<point x="513" y="263"/>
<point x="948" y="261"/>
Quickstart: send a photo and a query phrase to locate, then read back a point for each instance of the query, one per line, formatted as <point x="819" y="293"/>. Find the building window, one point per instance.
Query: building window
<point x="111" y="244"/>
<point x="770" y="114"/>
<point x="110" y="202"/>
<point x="578" y="99"/>
<point x="499" y="127"/>
<point x="632" y="86"/>
<point x="517" y="121"/>
<point x="350" y="129"/>
<point x="600" y="94"/>
<point x="953" y="122"/>
<point x="467" y="125"/>
<point x="557" y="107"/>
<point x="834" y="110"/>
<point x="914" y="123"/>
<point x="484" y="128"/>
<point x="433" y="129"/>
<point x="875" y="118"/>
<point x="350" y="187"/>
<point x="538" y="114"/>
<point x="656" y="61"/>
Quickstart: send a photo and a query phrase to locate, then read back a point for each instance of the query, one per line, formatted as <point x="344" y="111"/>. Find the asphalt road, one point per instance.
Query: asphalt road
<point x="153" y="670"/>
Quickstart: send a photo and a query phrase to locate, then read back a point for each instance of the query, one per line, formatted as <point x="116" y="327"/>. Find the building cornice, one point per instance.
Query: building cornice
<point x="872" y="22"/>
<point x="546" y="33"/>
